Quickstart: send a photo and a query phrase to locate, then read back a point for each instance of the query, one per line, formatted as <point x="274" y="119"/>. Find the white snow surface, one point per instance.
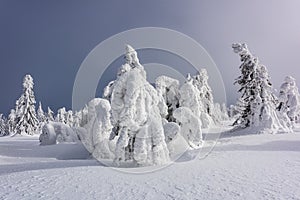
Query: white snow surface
<point x="245" y="167"/>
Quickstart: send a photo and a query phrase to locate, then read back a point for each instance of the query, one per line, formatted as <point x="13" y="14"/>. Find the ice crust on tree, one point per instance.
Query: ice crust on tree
<point x="3" y="126"/>
<point x="95" y="134"/>
<point x="137" y="115"/>
<point x="259" y="109"/>
<point x="57" y="132"/>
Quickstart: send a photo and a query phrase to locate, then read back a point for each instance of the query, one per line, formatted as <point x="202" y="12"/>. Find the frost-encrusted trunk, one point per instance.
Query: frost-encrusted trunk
<point x="136" y="113"/>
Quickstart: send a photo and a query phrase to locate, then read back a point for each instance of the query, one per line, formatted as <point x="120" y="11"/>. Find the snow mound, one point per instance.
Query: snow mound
<point x="56" y="132"/>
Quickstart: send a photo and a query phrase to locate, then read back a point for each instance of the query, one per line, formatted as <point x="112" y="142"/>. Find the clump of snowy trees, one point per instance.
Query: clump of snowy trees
<point x="141" y="124"/>
<point x="26" y="120"/>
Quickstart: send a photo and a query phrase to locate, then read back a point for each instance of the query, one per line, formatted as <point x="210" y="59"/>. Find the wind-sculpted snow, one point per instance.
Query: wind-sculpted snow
<point x="56" y="132"/>
<point x="96" y="132"/>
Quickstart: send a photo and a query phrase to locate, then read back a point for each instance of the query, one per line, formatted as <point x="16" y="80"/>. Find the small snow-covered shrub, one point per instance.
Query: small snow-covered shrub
<point x="56" y="132"/>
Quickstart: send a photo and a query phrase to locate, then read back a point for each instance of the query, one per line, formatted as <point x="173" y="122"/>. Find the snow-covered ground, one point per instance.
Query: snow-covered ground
<point x="244" y="167"/>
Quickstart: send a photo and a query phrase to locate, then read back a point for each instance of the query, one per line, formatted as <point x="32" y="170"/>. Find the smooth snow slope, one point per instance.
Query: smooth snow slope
<point x="246" y="167"/>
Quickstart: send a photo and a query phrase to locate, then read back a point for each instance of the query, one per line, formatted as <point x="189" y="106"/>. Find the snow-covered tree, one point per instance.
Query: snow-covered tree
<point x="190" y="97"/>
<point x="3" y="126"/>
<point x="26" y="120"/>
<point x="50" y="115"/>
<point x="190" y="126"/>
<point x="289" y="99"/>
<point x="70" y="118"/>
<point x="41" y="117"/>
<point x="135" y="111"/>
<point x="98" y="129"/>
<point x="11" y="121"/>
<point x="206" y="97"/>
<point x="168" y="88"/>
<point x="257" y="95"/>
<point x="61" y="115"/>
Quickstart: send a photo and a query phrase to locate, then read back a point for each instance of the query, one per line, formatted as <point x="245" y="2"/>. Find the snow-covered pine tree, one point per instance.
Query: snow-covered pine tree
<point x="61" y="115"/>
<point x="70" y="118"/>
<point x="257" y="95"/>
<point x="289" y="99"/>
<point x="3" y="126"/>
<point x="26" y="120"/>
<point x="206" y="96"/>
<point x="41" y="117"/>
<point x="11" y="121"/>
<point x="50" y="115"/>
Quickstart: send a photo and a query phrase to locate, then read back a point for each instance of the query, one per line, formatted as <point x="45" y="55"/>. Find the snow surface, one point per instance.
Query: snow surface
<point x="244" y="167"/>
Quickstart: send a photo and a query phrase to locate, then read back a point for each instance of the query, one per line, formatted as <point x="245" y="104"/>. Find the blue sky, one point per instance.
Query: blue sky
<point x="50" y="39"/>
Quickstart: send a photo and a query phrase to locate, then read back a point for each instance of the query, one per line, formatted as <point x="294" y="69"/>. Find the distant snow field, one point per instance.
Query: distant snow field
<point x="246" y="167"/>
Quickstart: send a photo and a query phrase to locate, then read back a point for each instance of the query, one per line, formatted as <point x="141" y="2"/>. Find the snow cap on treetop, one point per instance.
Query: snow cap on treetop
<point x="289" y="79"/>
<point x="131" y="56"/>
<point x="239" y="48"/>
<point x="28" y="81"/>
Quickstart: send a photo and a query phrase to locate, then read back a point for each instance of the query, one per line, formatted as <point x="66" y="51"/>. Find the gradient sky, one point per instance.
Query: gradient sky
<point x="50" y="39"/>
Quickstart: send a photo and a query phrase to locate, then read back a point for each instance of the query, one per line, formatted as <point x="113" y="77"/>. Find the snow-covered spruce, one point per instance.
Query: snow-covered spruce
<point x="95" y="134"/>
<point x="11" y="121"/>
<point x="3" y="126"/>
<point x="26" y="119"/>
<point x="168" y="88"/>
<point x="206" y="97"/>
<point x="50" y="115"/>
<point x="259" y="110"/>
<point x="41" y="117"/>
<point x="57" y="132"/>
<point x="289" y="99"/>
<point x="190" y="97"/>
<point x="137" y="116"/>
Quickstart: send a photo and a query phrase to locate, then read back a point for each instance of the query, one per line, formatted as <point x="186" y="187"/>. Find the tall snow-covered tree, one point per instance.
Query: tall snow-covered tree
<point x="135" y="111"/>
<point x="257" y="94"/>
<point x="289" y="99"/>
<point x="3" y="126"/>
<point x="26" y="120"/>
